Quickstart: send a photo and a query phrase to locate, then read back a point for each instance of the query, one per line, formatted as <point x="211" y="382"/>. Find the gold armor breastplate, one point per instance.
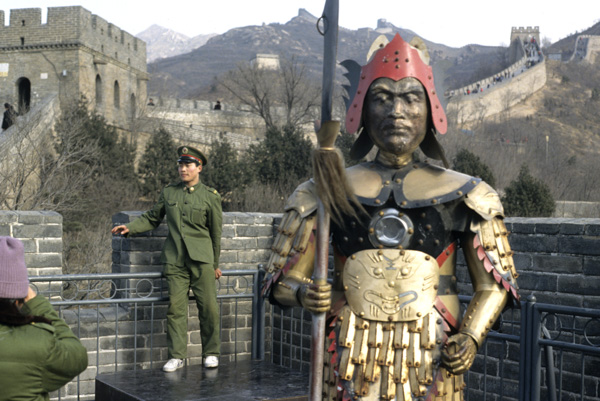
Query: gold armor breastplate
<point x="390" y="285"/>
<point x="389" y="335"/>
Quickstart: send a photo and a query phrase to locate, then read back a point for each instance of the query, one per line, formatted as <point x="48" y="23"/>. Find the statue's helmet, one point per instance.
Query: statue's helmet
<point x="395" y="60"/>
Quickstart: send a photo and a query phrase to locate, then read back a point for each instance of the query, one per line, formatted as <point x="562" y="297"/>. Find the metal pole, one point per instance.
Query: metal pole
<point x="536" y="353"/>
<point x="550" y="381"/>
<point x="330" y="20"/>
<point x="525" y="350"/>
<point x="258" y="317"/>
<point x="318" y="323"/>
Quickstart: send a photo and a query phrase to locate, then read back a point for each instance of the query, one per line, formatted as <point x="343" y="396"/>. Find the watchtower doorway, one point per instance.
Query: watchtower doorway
<point x="24" y="88"/>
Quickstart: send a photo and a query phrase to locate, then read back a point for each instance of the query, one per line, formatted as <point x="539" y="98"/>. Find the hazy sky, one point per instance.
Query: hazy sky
<point x="451" y="22"/>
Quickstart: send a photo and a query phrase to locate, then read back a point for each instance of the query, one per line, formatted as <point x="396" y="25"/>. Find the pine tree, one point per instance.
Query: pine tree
<point x="224" y="171"/>
<point x="157" y="168"/>
<point x="528" y="197"/>
<point x="283" y="157"/>
<point x="469" y="163"/>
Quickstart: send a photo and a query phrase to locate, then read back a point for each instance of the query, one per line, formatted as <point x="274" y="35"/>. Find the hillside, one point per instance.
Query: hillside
<point x="191" y="74"/>
<point x="555" y="132"/>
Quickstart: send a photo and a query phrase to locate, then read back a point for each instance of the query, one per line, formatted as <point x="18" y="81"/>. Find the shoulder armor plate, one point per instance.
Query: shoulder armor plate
<point x="485" y="201"/>
<point x="304" y="200"/>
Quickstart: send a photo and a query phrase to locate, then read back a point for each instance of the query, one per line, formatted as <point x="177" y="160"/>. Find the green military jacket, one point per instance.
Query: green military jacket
<point x="38" y="358"/>
<point x="194" y="218"/>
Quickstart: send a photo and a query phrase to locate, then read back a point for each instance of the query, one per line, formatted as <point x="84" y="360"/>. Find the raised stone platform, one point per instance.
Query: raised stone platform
<point x="255" y="380"/>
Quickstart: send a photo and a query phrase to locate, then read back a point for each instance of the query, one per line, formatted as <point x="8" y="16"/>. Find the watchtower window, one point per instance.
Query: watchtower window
<point x="22" y="41"/>
<point x="117" y="96"/>
<point x="22" y="22"/>
<point x="98" y="89"/>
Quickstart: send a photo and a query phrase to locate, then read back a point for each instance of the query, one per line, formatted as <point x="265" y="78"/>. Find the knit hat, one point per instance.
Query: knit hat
<point x="14" y="283"/>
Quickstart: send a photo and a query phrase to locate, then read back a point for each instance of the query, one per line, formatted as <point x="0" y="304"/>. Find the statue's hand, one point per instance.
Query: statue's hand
<point x="459" y="353"/>
<point x="315" y="298"/>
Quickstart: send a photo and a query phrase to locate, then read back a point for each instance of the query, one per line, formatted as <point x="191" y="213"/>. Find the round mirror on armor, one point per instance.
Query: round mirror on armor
<point x="390" y="228"/>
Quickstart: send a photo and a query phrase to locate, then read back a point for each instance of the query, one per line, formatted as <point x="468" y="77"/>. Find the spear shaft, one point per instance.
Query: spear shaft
<point x="330" y="32"/>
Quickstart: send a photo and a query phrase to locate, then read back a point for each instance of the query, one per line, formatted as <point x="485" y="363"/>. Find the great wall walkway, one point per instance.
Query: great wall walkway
<point x="512" y="85"/>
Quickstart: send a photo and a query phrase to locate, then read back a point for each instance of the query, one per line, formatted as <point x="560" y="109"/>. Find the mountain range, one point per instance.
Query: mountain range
<point x="192" y="72"/>
<point x="162" y="42"/>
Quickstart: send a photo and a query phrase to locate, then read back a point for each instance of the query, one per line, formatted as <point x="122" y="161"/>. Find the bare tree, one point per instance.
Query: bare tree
<point x="264" y="90"/>
<point x="36" y="175"/>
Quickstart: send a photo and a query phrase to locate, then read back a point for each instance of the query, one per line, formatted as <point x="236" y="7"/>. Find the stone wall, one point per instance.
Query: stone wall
<point x="196" y="123"/>
<point x="576" y="210"/>
<point x="72" y="24"/>
<point x="20" y="145"/>
<point x="202" y="126"/>
<point x="586" y="48"/>
<point x="498" y="97"/>
<point x="558" y="261"/>
<point x="41" y="234"/>
<point x="74" y="54"/>
<point x="246" y="242"/>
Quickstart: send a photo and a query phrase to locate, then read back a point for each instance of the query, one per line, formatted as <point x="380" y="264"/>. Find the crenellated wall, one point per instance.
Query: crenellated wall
<point x="68" y="25"/>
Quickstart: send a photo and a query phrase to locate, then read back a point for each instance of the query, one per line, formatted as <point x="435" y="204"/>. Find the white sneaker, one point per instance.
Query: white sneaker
<point x="211" y="361"/>
<point x="173" y="364"/>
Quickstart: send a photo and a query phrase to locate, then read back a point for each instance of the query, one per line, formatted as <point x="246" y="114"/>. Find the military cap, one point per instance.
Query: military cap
<point x="187" y="154"/>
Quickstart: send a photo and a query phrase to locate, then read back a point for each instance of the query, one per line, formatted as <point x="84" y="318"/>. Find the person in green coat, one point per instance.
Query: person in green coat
<point x="190" y="255"/>
<point x="38" y="351"/>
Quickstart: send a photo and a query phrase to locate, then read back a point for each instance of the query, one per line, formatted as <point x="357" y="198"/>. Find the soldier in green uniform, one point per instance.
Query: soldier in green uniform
<point x="190" y="255"/>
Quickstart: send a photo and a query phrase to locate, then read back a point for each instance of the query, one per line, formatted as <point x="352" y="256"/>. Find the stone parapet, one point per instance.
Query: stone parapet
<point x="245" y="243"/>
<point x="41" y="234"/>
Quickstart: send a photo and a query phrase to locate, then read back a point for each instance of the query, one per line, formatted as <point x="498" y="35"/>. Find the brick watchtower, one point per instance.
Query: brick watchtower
<point x="525" y="33"/>
<point x="74" y="53"/>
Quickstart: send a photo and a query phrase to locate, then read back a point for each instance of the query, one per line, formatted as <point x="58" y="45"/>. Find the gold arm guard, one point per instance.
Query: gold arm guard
<point x="292" y="258"/>
<point x="492" y="271"/>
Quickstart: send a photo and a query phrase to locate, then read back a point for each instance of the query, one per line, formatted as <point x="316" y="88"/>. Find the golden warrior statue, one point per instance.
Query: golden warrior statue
<point x="394" y="326"/>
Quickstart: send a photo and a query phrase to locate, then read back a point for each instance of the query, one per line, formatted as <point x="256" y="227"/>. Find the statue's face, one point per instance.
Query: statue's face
<point x="396" y="114"/>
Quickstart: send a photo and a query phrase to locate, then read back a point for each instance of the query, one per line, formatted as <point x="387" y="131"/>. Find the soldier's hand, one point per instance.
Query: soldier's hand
<point x="315" y="298"/>
<point x="218" y="273"/>
<point x="122" y="229"/>
<point x="459" y="353"/>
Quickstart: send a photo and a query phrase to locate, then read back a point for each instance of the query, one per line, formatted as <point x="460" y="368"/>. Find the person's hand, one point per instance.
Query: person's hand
<point x="315" y="298"/>
<point x="122" y="229"/>
<point x="459" y="353"/>
<point x="30" y="294"/>
<point x="218" y="273"/>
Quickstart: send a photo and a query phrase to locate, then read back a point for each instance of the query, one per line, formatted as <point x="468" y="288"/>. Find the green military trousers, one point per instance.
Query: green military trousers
<point x="200" y="277"/>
